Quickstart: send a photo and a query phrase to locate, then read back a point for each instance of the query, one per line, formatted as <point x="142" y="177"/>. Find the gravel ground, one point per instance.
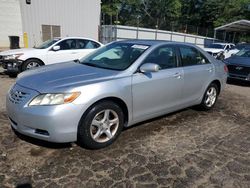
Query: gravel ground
<point x="184" y="149"/>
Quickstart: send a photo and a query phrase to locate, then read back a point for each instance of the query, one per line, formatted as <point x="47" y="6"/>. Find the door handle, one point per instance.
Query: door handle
<point x="210" y="69"/>
<point x="73" y="52"/>
<point x="177" y="75"/>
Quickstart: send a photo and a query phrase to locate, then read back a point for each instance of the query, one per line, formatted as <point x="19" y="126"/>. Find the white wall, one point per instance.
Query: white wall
<point x="10" y="21"/>
<point x="76" y="18"/>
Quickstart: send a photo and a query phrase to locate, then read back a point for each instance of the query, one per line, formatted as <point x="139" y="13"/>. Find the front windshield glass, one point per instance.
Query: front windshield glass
<point x="218" y="46"/>
<point x="116" y="56"/>
<point x="244" y="53"/>
<point x="47" y="44"/>
<point x="242" y="46"/>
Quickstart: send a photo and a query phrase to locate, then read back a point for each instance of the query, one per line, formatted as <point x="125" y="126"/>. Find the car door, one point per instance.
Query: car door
<point x="84" y="47"/>
<point x="65" y="53"/>
<point x="159" y="92"/>
<point x="198" y="71"/>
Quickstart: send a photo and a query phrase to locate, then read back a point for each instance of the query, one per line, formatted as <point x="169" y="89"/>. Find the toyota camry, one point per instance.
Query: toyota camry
<point x="90" y="101"/>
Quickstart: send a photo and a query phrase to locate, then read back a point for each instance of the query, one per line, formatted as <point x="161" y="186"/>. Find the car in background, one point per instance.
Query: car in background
<point x="52" y="51"/>
<point x="117" y="86"/>
<point x="239" y="65"/>
<point x="221" y="50"/>
<point x="239" y="47"/>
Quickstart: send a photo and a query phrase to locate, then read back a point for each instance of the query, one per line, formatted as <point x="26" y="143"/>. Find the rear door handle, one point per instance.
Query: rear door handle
<point x="73" y="52"/>
<point x="210" y="69"/>
<point x="177" y="75"/>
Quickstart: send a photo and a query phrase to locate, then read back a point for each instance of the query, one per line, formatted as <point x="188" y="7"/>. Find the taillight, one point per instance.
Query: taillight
<point x="225" y="68"/>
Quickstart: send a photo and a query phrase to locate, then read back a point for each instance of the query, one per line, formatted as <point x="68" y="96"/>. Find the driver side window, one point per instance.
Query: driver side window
<point x="164" y="56"/>
<point x="69" y="44"/>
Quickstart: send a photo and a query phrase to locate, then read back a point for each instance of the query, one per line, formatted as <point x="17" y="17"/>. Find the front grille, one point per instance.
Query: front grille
<point x="237" y="69"/>
<point x="17" y="96"/>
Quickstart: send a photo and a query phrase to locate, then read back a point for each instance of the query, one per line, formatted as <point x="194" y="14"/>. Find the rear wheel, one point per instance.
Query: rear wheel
<point x="101" y="125"/>
<point x="210" y="97"/>
<point x="31" y="63"/>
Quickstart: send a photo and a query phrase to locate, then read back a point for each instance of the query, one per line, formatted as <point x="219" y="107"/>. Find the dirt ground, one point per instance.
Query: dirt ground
<point x="184" y="149"/>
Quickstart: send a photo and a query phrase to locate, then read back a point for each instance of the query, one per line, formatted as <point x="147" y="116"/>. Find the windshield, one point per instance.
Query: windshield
<point x="47" y="44"/>
<point x="244" y="53"/>
<point x="219" y="46"/>
<point x="242" y="46"/>
<point x="116" y="56"/>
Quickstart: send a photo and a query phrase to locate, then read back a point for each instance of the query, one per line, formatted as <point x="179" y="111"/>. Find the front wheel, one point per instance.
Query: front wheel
<point x="210" y="97"/>
<point x="31" y="63"/>
<point x="101" y="125"/>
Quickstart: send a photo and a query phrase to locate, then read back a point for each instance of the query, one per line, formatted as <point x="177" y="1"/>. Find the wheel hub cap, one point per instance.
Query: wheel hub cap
<point x="211" y="96"/>
<point x="104" y="126"/>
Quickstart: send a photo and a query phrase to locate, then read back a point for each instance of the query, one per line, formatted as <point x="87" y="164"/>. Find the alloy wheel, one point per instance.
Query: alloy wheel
<point x="211" y="96"/>
<point x="104" y="125"/>
<point x="32" y="65"/>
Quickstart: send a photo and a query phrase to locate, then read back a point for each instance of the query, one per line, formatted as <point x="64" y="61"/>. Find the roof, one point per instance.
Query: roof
<point x="152" y="42"/>
<point x="237" y="26"/>
<point x="144" y="42"/>
<point x="223" y="43"/>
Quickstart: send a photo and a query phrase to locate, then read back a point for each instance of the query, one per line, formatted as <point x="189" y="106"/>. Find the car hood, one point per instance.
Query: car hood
<point x="63" y="77"/>
<point x="17" y="51"/>
<point x="213" y="50"/>
<point x="236" y="60"/>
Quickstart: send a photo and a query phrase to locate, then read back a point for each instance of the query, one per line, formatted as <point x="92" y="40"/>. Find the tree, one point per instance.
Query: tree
<point x="164" y="13"/>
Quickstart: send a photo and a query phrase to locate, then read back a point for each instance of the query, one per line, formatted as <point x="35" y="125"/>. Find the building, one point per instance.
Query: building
<point x="36" y="21"/>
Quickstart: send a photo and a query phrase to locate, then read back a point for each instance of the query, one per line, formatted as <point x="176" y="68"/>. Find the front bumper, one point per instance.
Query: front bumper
<point x="13" y="65"/>
<point x="57" y="123"/>
<point x="239" y="76"/>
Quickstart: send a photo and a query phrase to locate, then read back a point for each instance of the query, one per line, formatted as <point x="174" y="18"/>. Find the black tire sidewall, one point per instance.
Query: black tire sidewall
<point x="84" y="138"/>
<point x="203" y="103"/>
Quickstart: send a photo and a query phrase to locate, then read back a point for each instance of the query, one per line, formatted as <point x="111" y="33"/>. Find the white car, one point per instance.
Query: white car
<point x="52" y="51"/>
<point x="221" y="49"/>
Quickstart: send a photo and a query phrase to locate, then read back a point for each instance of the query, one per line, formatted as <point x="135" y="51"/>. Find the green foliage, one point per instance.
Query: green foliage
<point x="163" y="13"/>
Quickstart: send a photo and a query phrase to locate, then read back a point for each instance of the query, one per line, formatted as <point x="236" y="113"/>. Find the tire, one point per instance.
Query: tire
<point x="95" y="130"/>
<point x="31" y="63"/>
<point x="207" y="103"/>
<point x="12" y="75"/>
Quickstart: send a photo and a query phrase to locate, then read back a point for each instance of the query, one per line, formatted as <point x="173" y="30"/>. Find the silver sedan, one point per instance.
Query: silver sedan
<point x="121" y="84"/>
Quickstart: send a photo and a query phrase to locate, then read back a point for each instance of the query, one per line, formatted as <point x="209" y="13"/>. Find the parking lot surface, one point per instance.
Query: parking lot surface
<point x="184" y="149"/>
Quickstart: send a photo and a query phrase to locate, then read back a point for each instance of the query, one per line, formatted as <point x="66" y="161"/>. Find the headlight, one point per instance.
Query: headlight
<point x="54" y="99"/>
<point x="13" y="56"/>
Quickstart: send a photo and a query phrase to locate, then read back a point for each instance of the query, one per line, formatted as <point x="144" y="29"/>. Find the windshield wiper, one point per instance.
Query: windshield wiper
<point x="91" y="64"/>
<point x="77" y="61"/>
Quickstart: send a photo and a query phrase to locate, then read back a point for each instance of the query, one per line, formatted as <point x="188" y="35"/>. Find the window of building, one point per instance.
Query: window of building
<point x="50" y="32"/>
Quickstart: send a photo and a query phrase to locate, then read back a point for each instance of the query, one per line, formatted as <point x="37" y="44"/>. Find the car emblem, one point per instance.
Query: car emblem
<point x="239" y="68"/>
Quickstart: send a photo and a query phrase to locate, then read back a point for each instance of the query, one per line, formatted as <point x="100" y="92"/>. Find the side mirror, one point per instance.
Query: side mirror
<point x="203" y="61"/>
<point x="56" y="48"/>
<point x="149" y="67"/>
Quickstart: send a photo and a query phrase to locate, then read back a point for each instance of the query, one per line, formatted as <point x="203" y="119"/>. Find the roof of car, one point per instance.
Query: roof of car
<point x="63" y="38"/>
<point x="152" y="42"/>
<point x="221" y="43"/>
